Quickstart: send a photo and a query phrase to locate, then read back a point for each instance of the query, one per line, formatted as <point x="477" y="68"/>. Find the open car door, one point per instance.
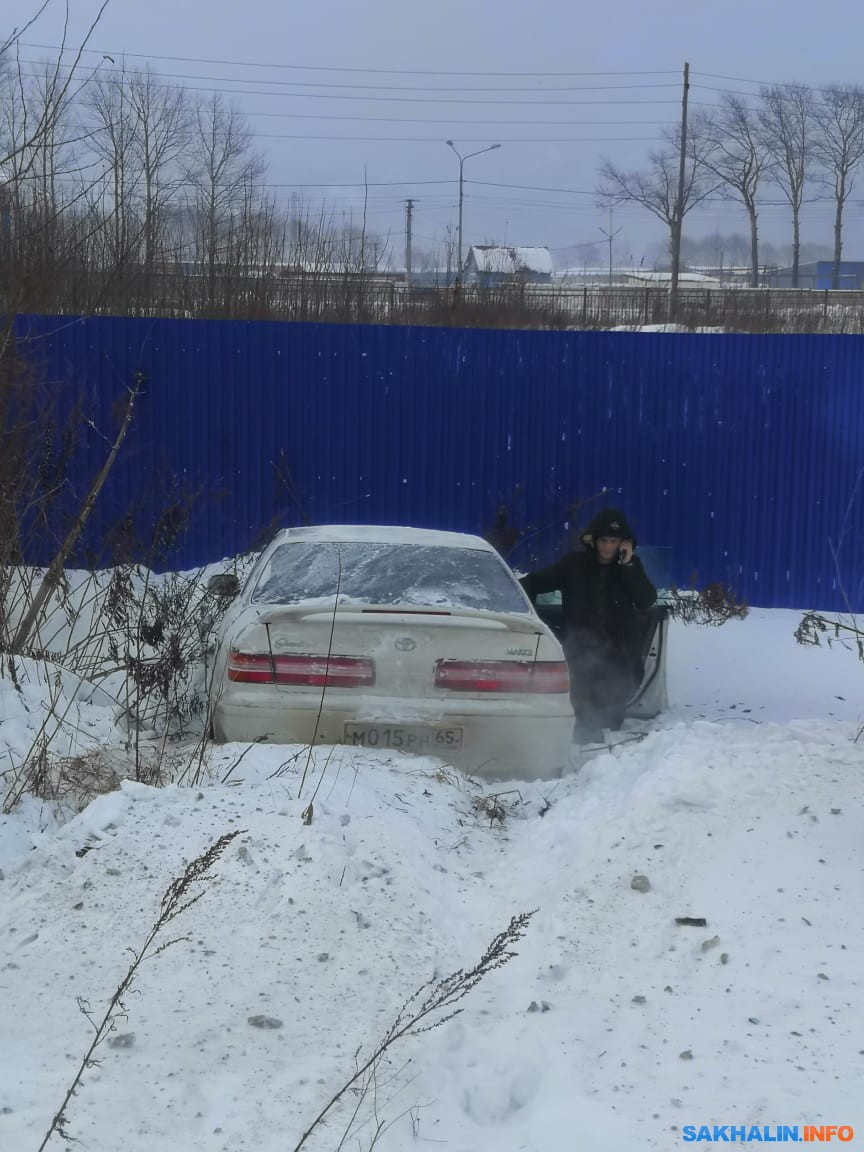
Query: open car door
<point x="650" y="698"/>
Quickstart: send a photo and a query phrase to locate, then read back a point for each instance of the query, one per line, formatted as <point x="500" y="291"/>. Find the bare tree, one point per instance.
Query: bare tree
<point x="46" y="164"/>
<point x="30" y="136"/>
<point x="61" y="85"/>
<point x="738" y="158"/>
<point x="424" y="259"/>
<point x="108" y="108"/>
<point x="13" y="149"/>
<point x="260" y="239"/>
<point x="839" y="147"/>
<point x="162" y="134"/>
<point x="786" y="128"/>
<point x="656" y="186"/>
<point x="254" y="248"/>
<point x="221" y="171"/>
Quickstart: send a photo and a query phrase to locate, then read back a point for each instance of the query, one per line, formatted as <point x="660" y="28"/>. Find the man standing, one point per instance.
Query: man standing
<point x="603" y="590"/>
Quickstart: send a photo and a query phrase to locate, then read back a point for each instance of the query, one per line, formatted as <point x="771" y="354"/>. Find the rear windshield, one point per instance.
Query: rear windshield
<point x="389" y="574"/>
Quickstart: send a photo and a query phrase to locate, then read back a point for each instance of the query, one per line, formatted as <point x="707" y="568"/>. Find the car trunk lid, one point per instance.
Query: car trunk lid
<point x="413" y="652"/>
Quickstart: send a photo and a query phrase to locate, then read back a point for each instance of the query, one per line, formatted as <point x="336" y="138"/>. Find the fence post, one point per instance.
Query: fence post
<point x="707" y="307"/>
<point x="767" y="303"/>
<point x="584" y="305"/>
<point x="825" y="307"/>
<point x="646" y="307"/>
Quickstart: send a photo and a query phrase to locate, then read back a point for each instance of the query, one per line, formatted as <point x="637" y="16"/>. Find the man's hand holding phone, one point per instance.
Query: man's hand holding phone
<point x="625" y="552"/>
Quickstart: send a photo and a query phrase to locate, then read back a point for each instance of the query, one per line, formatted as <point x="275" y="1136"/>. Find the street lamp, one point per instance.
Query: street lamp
<point x="462" y="160"/>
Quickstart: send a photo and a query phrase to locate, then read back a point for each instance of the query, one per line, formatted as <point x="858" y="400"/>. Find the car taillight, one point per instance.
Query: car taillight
<point x="502" y="676"/>
<point x="318" y="671"/>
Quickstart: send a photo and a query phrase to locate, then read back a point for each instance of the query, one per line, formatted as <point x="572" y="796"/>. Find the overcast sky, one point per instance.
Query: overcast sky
<point x="558" y="85"/>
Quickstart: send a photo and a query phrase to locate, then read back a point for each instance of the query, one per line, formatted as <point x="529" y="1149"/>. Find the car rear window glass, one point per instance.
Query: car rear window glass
<point x="388" y="574"/>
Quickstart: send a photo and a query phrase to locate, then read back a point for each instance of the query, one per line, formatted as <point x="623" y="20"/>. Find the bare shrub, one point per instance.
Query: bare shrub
<point x="37" y="444"/>
<point x="73" y="781"/>
<point x="184" y="891"/>
<point x="494" y="807"/>
<point x="844" y="631"/>
<point x="141" y="640"/>
<point x="55" y="738"/>
<point x="54" y="573"/>
<point x="162" y="633"/>
<point x="430" y="1006"/>
<point x="712" y="605"/>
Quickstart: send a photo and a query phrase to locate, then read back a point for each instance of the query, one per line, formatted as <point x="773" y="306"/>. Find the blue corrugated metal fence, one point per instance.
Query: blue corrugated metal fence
<point x="743" y="454"/>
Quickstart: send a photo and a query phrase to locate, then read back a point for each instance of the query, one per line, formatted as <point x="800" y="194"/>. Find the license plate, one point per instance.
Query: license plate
<point x="405" y="738"/>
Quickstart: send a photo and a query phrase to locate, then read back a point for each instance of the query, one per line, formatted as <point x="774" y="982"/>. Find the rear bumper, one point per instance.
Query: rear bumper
<point x="516" y="744"/>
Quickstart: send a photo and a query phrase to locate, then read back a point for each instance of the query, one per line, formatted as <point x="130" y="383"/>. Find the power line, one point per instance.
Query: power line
<point x="724" y="91"/>
<point x="342" y="70"/>
<point x="464" y="139"/>
<point x="359" y="184"/>
<point x="744" y="80"/>
<point x="122" y="73"/>
<point x="449" y="120"/>
<point x="531" y="187"/>
<point x="412" y="99"/>
<point x="581" y="244"/>
<point x="813" y="203"/>
<point x="333" y="68"/>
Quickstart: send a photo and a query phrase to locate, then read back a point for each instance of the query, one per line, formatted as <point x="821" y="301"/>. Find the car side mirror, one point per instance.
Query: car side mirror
<point x="224" y="584"/>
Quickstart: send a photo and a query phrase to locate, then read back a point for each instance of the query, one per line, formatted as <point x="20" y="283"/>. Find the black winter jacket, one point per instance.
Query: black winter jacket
<point x="602" y="598"/>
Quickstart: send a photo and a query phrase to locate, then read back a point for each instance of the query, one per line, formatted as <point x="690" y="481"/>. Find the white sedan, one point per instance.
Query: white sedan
<point x="393" y="638"/>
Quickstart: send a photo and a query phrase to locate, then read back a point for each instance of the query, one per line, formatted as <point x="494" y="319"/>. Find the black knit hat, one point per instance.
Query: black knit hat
<point x="608" y="522"/>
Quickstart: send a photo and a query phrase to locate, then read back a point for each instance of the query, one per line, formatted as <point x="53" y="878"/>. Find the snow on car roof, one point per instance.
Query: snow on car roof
<point x="382" y="534"/>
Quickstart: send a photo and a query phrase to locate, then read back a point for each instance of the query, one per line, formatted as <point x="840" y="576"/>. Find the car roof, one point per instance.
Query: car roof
<point x="380" y="534"/>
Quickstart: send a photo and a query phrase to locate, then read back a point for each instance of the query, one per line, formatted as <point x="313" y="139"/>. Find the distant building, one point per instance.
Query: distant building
<point x="630" y="277"/>
<point x="663" y="279"/>
<point x="489" y="265"/>
<point x="818" y="275"/>
<point x="433" y="278"/>
<point x="587" y="274"/>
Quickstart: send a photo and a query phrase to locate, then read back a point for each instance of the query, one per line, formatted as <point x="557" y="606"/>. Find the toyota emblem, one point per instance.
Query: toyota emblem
<point x="406" y="644"/>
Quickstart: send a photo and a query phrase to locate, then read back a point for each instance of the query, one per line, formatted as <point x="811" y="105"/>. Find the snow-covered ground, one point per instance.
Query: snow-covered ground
<point x="613" y="1027"/>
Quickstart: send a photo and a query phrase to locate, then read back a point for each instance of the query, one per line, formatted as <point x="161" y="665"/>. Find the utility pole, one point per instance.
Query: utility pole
<point x="610" y="235"/>
<point x="679" y="203"/>
<point x="409" y="208"/>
